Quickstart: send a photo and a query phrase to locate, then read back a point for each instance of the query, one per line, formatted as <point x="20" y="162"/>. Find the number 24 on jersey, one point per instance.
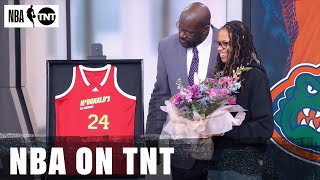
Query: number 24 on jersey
<point x="103" y="121"/>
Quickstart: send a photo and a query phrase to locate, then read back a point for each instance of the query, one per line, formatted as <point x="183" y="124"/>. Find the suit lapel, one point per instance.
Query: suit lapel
<point x="213" y="53"/>
<point x="182" y="64"/>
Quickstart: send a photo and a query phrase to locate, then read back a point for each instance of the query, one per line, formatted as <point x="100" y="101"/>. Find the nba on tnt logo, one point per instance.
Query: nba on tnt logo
<point x="23" y="16"/>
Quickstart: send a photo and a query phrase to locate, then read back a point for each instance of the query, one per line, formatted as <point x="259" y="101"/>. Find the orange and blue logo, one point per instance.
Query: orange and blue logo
<point x="296" y="105"/>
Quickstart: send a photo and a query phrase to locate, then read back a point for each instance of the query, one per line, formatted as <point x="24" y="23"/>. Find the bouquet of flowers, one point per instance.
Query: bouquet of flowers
<point x="204" y="109"/>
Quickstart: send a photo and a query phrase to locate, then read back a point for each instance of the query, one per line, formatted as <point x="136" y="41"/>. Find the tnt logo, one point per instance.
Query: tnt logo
<point x="20" y="16"/>
<point x="46" y="16"/>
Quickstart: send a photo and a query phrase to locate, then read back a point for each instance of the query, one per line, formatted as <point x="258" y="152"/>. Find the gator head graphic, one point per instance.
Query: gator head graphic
<point x="296" y="102"/>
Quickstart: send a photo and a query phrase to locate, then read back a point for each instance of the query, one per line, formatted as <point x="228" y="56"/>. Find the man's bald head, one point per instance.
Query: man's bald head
<point x="197" y="13"/>
<point x="194" y="24"/>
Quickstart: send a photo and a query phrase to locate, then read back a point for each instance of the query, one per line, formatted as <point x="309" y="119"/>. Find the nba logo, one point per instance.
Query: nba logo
<point x="24" y="16"/>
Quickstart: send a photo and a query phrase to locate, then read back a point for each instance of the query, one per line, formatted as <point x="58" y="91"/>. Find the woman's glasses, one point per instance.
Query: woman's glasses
<point x="223" y="44"/>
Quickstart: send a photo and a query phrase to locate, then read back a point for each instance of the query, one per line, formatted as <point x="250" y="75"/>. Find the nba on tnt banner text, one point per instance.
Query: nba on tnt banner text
<point x="30" y="16"/>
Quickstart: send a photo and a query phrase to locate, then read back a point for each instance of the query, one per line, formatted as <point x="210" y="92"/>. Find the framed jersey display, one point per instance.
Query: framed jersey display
<point x="95" y="102"/>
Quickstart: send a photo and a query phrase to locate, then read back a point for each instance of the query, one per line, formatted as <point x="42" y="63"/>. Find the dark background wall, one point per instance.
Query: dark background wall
<point x="8" y="115"/>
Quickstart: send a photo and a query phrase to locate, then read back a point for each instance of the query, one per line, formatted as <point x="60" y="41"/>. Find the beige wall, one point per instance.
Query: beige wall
<point x="37" y="46"/>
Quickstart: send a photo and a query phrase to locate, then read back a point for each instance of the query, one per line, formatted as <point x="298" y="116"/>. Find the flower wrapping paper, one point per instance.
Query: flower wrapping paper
<point x="216" y="123"/>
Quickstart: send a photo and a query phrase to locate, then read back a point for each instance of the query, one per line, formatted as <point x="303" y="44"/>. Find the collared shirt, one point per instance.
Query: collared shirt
<point x="204" y="50"/>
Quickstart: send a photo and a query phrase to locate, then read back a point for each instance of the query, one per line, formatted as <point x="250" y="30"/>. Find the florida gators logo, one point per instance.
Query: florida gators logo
<point x="296" y="105"/>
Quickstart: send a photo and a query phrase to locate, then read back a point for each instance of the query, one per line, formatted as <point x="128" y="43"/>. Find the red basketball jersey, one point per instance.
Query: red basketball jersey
<point x="94" y="105"/>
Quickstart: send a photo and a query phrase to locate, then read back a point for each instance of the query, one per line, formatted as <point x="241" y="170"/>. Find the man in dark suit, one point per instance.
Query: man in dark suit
<point x="179" y="56"/>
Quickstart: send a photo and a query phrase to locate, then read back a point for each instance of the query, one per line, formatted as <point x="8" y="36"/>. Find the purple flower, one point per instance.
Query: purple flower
<point x="195" y="90"/>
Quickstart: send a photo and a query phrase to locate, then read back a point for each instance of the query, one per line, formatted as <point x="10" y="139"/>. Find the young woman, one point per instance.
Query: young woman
<point x="240" y="153"/>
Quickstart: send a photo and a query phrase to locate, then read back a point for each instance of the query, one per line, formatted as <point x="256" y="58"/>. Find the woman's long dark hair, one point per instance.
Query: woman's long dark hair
<point x="242" y="51"/>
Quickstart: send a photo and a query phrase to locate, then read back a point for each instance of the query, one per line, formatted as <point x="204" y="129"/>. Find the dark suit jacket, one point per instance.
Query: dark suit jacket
<point x="172" y="64"/>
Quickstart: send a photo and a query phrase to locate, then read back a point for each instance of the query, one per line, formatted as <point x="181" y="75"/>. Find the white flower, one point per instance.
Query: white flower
<point x="196" y="79"/>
